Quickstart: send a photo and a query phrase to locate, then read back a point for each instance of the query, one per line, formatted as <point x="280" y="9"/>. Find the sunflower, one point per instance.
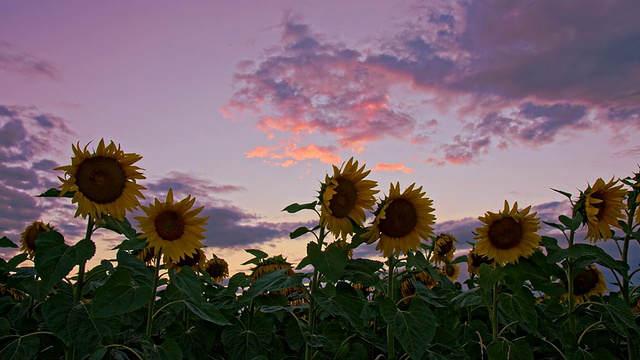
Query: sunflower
<point x="196" y="261"/>
<point x="401" y="221"/>
<point x="443" y="248"/>
<point x="344" y="197"/>
<point x="636" y="307"/>
<point x="408" y="289"/>
<point x="474" y="260"/>
<point x="508" y="235"/>
<point x="587" y="283"/>
<point x="146" y="255"/>
<point x="12" y="293"/>
<point x="104" y="182"/>
<point x="343" y="245"/>
<point x="451" y="271"/>
<point x="271" y="264"/>
<point x="217" y="268"/>
<point x="602" y="207"/>
<point x="173" y="227"/>
<point x="29" y="236"/>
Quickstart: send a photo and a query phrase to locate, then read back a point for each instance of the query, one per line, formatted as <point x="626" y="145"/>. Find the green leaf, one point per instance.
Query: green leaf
<point x="388" y="309"/>
<point x="518" y="307"/>
<point x="244" y="344"/>
<point x="569" y="196"/>
<point x="503" y="349"/>
<point x="468" y="298"/>
<point x="122" y="227"/>
<point x="53" y="192"/>
<point x="85" y="249"/>
<point x="13" y="263"/>
<point x="5" y="326"/>
<point x="140" y="273"/>
<point x="274" y="280"/>
<point x="5" y="242"/>
<point x="119" y="295"/>
<point x="188" y="283"/>
<point x="571" y="224"/>
<point x="414" y="329"/>
<point x="330" y="262"/>
<point x="257" y="256"/>
<point x="54" y="259"/>
<point x="299" y="232"/>
<point x="590" y="253"/>
<point x="362" y="271"/>
<point x="169" y="349"/>
<point x="341" y="301"/>
<point x="22" y="347"/>
<point x="488" y="277"/>
<point x="551" y="244"/>
<point x="98" y="353"/>
<point x="295" y="207"/>
<point x="621" y="315"/>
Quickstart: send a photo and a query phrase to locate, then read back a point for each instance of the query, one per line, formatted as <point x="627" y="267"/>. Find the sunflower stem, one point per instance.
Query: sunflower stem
<point x="80" y="283"/>
<point x="313" y="286"/>
<point x="570" y="281"/>
<point x="152" y="299"/>
<point x="494" y="312"/>
<point x="631" y="342"/>
<point x="390" y="338"/>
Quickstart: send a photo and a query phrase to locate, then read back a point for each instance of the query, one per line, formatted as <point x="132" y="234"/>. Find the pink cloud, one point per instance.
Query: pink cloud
<point x="291" y="153"/>
<point x="393" y="167"/>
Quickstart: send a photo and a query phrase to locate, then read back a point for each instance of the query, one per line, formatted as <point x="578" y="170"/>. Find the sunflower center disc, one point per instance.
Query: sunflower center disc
<point x="601" y="206"/>
<point x="169" y="225"/>
<point x="445" y="247"/>
<point x="450" y="271"/>
<point x="344" y="199"/>
<point x="477" y="260"/>
<point x="101" y="179"/>
<point x="31" y="236"/>
<point x="401" y="219"/>
<point x="584" y="282"/>
<point x="215" y="270"/>
<point x="505" y="233"/>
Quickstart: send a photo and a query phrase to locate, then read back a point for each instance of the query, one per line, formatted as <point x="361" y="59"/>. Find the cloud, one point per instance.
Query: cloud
<point x="288" y="153"/>
<point x="393" y="167"/>
<point x="494" y="85"/>
<point x="21" y="63"/>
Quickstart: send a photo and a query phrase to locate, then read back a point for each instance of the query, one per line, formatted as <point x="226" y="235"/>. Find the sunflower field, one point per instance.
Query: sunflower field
<point x="526" y="296"/>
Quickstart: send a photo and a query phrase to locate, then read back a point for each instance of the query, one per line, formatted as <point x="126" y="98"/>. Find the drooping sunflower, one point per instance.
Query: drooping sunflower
<point x="29" y="236"/>
<point x="217" y="268"/>
<point x="401" y="221"/>
<point x="444" y="248"/>
<point x="508" y="235"/>
<point x="147" y="255"/>
<point x="195" y="261"/>
<point x="344" y="197"/>
<point x="104" y="182"/>
<point x="408" y="289"/>
<point x="343" y="245"/>
<point x="602" y="205"/>
<point x="173" y="227"/>
<point x="12" y="293"/>
<point x="451" y="271"/>
<point x="271" y="264"/>
<point x="474" y="260"/>
<point x="587" y="283"/>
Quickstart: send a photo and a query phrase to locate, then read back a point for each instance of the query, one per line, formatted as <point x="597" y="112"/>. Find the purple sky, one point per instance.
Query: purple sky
<point x="246" y="105"/>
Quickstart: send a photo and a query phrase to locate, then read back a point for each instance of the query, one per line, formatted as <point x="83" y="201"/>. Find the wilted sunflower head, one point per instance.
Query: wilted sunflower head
<point x="173" y="227"/>
<point x="401" y="221"/>
<point x="635" y="307"/>
<point x="344" y="197"/>
<point x="103" y="181"/>
<point x="271" y="264"/>
<point x="474" y="260"/>
<point x="408" y="289"/>
<point x="147" y="255"/>
<point x="587" y="283"/>
<point x="451" y="271"/>
<point x="508" y="235"/>
<point x="343" y="245"/>
<point x="12" y="293"/>
<point x="29" y="236"/>
<point x="196" y="261"/>
<point x="444" y="248"/>
<point x="601" y="205"/>
<point x="217" y="268"/>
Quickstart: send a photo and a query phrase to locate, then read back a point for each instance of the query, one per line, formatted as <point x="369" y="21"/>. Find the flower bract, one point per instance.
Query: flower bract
<point x="217" y="268"/>
<point x="195" y="261"/>
<point x="444" y="248"/>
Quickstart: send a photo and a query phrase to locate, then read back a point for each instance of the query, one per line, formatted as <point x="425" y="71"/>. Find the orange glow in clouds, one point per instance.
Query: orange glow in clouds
<point x="393" y="167"/>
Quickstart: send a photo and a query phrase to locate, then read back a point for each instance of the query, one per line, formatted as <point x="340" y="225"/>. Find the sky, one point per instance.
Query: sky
<point x="246" y="105"/>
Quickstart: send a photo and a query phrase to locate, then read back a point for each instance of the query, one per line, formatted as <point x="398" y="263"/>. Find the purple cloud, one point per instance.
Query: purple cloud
<point x="25" y="64"/>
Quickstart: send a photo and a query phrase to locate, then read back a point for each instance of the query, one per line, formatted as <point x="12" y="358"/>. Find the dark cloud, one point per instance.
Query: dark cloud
<point x="14" y="61"/>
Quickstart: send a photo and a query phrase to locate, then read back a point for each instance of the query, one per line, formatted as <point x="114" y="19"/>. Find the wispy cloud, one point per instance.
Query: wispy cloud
<point x="14" y="61"/>
<point x="393" y="167"/>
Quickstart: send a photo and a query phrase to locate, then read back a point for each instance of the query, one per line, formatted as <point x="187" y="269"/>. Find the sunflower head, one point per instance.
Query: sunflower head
<point x="508" y="235"/>
<point x="195" y="261"/>
<point x="344" y="197"/>
<point x="12" y="293"/>
<point x="635" y="308"/>
<point x="601" y="205"/>
<point x="587" y="283"/>
<point x="474" y="260"/>
<point x="268" y="265"/>
<point x="343" y="245"/>
<point x="217" y="268"/>
<point x="451" y="271"/>
<point x="103" y="181"/>
<point x="402" y="219"/>
<point x="173" y="227"/>
<point x="444" y="248"/>
<point x="147" y="255"/>
<point x="408" y="289"/>
<point x="29" y="236"/>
